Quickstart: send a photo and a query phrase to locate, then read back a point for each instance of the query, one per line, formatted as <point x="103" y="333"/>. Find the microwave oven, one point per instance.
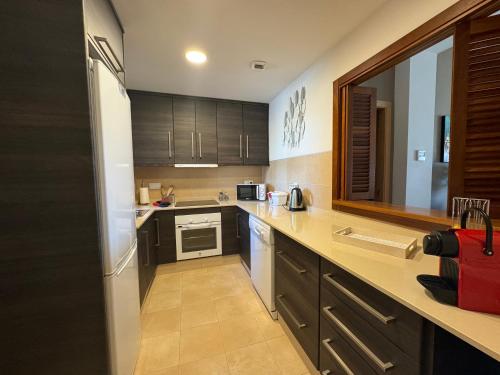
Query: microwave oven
<point x="251" y="192"/>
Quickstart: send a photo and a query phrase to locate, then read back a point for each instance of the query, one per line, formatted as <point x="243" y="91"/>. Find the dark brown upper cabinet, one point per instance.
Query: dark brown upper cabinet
<point x="172" y="129"/>
<point x="206" y="132"/>
<point x="152" y="129"/>
<point x="255" y="135"/>
<point x="185" y="130"/>
<point x="230" y="133"/>
<point x="195" y="124"/>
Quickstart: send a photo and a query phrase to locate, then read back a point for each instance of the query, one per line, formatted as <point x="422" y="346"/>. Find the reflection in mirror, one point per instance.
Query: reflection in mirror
<point x="412" y="131"/>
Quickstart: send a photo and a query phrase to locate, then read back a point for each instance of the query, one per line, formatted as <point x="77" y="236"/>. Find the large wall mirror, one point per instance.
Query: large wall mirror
<point x="419" y="123"/>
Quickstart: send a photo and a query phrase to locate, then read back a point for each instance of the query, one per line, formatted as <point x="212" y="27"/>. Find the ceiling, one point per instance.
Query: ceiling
<point x="289" y="34"/>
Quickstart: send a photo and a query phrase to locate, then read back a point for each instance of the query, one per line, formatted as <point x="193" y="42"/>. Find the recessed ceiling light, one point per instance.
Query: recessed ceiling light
<point x="196" y="57"/>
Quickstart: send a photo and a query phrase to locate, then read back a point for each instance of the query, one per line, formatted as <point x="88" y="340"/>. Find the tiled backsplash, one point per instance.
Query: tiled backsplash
<point x="312" y="172"/>
<point x="196" y="183"/>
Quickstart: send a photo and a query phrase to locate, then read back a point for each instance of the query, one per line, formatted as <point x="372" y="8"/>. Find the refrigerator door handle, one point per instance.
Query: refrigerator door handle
<point x="126" y="261"/>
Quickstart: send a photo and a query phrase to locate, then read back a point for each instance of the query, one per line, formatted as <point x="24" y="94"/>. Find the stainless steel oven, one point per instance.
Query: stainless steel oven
<point x="198" y="235"/>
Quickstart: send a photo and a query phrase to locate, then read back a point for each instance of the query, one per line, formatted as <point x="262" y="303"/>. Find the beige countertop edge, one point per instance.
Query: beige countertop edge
<point x="393" y="276"/>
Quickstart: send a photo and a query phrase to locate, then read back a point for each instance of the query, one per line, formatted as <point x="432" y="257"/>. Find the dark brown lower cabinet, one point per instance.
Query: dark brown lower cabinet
<point x="146" y="254"/>
<point x="297" y="292"/>
<point x="230" y="230"/>
<point x="165" y="227"/>
<point x="244" y="236"/>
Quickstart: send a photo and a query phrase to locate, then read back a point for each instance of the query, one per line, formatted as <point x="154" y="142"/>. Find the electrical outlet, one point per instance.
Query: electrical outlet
<point x="155" y="185"/>
<point x="421" y="155"/>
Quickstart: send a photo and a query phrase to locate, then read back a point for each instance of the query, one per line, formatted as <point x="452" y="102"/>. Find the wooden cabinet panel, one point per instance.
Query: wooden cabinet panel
<point x="230" y="230"/>
<point x="152" y="129"/>
<point x="256" y="137"/>
<point x="230" y="133"/>
<point x="165" y="226"/>
<point x="146" y="253"/>
<point x="244" y="232"/>
<point x="404" y="330"/>
<point x="184" y="130"/>
<point x="297" y="291"/>
<point x="206" y="131"/>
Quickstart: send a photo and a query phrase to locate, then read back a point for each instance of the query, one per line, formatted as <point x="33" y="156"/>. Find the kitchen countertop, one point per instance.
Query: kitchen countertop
<point x="393" y="276"/>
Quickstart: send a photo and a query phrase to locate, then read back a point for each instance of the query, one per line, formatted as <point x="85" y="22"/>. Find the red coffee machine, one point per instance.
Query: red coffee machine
<point x="469" y="269"/>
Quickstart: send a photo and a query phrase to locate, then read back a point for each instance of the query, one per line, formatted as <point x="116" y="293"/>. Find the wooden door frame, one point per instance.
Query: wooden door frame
<point x="437" y="28"/>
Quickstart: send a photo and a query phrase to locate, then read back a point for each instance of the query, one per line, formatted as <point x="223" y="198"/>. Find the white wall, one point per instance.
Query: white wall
<point x="389" y="23"/>
<point x="400" y="131"/>
<point x="421" y="122"/>
<point x="443" y="107"/>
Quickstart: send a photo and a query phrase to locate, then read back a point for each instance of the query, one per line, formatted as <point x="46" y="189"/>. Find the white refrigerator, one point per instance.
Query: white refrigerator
<point x="112" y="138"/>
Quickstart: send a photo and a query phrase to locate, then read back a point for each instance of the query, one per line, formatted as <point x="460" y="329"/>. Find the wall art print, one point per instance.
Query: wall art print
<point x="294" y="123"/>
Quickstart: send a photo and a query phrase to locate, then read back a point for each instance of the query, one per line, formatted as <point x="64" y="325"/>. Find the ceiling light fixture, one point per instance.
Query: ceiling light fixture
<point x="196" y="57"/>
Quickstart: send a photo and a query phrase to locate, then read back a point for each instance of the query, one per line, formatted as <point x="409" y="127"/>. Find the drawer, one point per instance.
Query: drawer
<point x="302" y="322"/>
<point x="398" y="324"/>
<point x="297" y="258"/>
<point x="337" y="357"/>
<point x="381" y="354"/>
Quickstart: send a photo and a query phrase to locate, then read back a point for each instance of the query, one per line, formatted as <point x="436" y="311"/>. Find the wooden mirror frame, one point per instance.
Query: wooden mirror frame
<point x="431" y="32"/>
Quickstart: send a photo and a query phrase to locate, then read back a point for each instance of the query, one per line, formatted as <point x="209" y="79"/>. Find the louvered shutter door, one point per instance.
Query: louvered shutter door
<point x="475" y="147"/>
<point x="361" y="138"/>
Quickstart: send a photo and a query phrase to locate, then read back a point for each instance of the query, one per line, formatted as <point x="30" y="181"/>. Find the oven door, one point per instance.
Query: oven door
<point x="198" y="240"/>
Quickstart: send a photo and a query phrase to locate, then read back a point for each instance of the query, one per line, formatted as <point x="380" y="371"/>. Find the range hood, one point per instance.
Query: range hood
<point x="196" y="165"/>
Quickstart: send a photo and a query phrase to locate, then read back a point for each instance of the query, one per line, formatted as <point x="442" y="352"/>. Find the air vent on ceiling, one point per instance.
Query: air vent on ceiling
<point x="258" y="65"/>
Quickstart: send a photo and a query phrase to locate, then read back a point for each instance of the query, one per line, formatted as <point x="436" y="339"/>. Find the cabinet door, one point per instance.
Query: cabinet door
<point x="184" y="130"/>
<point x="255" y="125"/>
<point x="206" y="132"/>
<point x="142" y="250"/>
<point x="152" y="129"/>
<point x="230" y="133"/>
<point x="105" y="33"/>
<point x="230" y="230"/>
<point x="244" y="232"/>
<point x="165" y="221"/>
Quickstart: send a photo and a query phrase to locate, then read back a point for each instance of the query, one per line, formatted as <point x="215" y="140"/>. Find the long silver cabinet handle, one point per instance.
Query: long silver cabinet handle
<point x="336" y="356"/>
<point x="199" y="142"/>
<point x="384" y="319"/>
<point x="384" y="366"/>
<point x="147" y="248"/>
<point x="247" y="146"/>
<point x="241" y="146"/>
<point x="299" y="325"/>
<point x="169" y="146"/>
<point x="157" y="222"/>
<point x="290" y="263"/>
<point x="192" y="145"/>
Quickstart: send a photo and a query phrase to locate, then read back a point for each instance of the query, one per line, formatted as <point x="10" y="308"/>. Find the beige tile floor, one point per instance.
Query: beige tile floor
<point x="203" y="317"/>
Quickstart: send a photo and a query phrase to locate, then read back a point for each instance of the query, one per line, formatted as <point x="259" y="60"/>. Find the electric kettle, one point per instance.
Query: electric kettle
<point x="295" y="202"/>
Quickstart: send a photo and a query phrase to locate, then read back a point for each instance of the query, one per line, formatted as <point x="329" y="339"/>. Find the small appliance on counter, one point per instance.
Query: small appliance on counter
<point x="277" y="198"/>
<point x="250" y="192"/>
<point x="469" y="269"/>
<point x="296" y="200"/>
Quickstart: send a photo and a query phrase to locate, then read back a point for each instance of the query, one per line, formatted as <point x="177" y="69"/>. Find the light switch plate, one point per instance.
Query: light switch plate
<point x="421" y="155"/>
<point x="155" y="185"/>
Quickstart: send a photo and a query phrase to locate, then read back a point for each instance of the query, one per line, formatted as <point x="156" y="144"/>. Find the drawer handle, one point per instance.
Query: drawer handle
<point x="299" y="325"/>
<point x="290" y="263"/>
<point x="384" y="319"/>
<point x="336" y="356"/>
<point x="157" y="222"/>
<point x="384" y="366"/>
